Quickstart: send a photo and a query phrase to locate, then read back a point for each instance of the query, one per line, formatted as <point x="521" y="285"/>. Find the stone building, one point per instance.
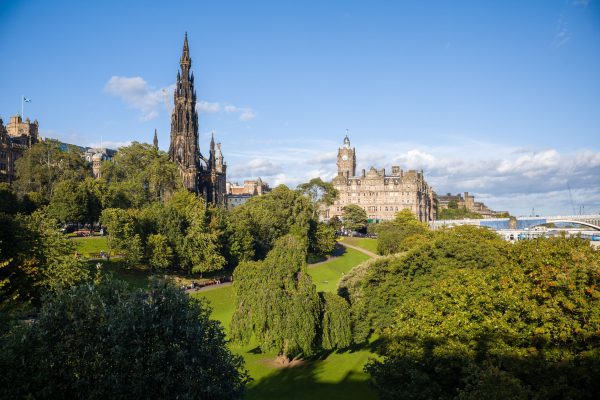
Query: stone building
<point x="239" y="194"/>
<point x="380" y="194"/>
<point x="205" y="176"/>
<point x="95" y="156"/>
<point x="468" y="201"/>
<point x="16" y="137"/>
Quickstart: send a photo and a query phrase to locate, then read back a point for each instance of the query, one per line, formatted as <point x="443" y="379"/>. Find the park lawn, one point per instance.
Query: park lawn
<point x="337" y="375"/>
<point x="87" y="246"/>
<point x="327" y="275"/>
<point x="365" y="243"/>
<point x="137" y="278"/>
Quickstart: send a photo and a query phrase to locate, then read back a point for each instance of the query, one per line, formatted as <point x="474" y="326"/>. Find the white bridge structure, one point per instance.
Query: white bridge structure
<point x="516" y="228"/>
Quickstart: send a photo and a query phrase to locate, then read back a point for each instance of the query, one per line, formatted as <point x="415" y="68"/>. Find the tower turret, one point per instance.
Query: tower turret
<point x="346" y="159"/>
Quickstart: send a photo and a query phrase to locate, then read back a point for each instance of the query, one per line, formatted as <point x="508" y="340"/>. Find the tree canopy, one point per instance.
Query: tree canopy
<point x="401" y="233"/>
<point x="466" y="315"/>
<point x="255" y="226"/>
<point x="354" y="217"/>
<point x="45" y="164"/>
<point x="101" y="341"/>
<point x="138" y="175"/>
<point x="277" y="303"/>
<point x="35" y="258"/>
<point x="176" y="234"/>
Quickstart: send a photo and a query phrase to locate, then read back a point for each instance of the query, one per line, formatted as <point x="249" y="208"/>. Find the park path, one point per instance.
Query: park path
<point x="209" y="287"/>
<point x="365" y="251"/>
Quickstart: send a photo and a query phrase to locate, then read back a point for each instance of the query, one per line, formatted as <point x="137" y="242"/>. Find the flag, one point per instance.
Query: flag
<point x="26" y="100"/>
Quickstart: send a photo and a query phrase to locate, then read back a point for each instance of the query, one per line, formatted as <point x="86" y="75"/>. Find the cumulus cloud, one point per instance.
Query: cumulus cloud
<point x="256" y="167"/>
<point x="207" y="107"/>
<point x="138" y="94"/>
<point x="243" y="113"/>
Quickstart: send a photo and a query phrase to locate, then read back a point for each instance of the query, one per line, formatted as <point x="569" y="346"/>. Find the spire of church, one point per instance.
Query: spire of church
<point x="155" y="141"/>
<point x="212" y="141"/>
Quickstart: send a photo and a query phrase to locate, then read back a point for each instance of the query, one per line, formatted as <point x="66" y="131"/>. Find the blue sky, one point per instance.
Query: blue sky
<point x="501" y="99"/>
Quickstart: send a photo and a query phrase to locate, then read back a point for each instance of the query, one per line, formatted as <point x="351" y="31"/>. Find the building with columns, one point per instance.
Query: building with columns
<point x="202" y="175"/>
<point x="380" y="194"/>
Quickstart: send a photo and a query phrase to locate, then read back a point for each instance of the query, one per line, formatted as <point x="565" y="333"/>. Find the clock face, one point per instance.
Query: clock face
<point x="345" y="157"/>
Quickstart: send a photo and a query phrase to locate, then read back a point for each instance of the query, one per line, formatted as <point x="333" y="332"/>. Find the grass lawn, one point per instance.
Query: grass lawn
<point x="365" y="243"/>
<point x="332" y="376"/>
<point x="91" y="245"/>
<point x="327" y="275"/>
<point x="135" y="277"/>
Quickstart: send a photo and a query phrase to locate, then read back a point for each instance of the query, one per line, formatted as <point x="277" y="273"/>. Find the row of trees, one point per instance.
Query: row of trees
<point x="50" y="174"/>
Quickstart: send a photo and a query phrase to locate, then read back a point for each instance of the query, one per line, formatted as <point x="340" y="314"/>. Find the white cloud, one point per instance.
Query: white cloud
<point x="245" y="114"/>
<point x="136" y="93"/>
<point x="207" y="107"/>
<point x="256" y="167"/>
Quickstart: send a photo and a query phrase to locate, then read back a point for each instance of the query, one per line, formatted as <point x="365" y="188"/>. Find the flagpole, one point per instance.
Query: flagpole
<point x="22" y="98"/>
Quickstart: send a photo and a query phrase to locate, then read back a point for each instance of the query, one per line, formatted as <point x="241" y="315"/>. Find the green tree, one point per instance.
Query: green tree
<point x="392" y="235"/>
<point x="47" y="163"/>
<point x="9" y="202"/>
<point x="256" y="225"/>
<point x="122" y="229"/>
<point x="36" y="258"/>
<point x="68" y="202"/>
<point x="103" y="341"/>
<point x="457" y="213"/>
<point x="160" y="252"/>
<point x="321" y="194"/>
<point x="354" y="217"/>
<point x="138" y="175"/>
<point x="375" y="292"/>
<point x="323" y="242"/>
<point x="524" y="326"/>
<point x="336" y="331"/>
<point x="336" y="223"/>
<point x="277" y="302"/>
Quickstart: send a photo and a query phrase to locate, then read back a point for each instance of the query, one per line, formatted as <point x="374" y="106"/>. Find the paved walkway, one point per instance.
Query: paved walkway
<point x="209" y="287"/>
<point x="365" y="251"/>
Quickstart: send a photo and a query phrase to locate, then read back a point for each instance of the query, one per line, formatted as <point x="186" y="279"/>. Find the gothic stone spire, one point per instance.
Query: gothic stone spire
<point x="183" y="149"/>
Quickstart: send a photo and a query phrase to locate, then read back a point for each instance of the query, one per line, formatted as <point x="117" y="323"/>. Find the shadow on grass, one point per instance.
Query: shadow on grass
<point x="135" y="277"/>
<point x="305" y="382"/>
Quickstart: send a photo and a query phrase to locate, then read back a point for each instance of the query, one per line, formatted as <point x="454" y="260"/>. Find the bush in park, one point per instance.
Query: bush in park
<point x="101" y="341"/>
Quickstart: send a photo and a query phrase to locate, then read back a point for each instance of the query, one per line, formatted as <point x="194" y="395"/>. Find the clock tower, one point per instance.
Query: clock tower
<point x="346" y="159"/>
